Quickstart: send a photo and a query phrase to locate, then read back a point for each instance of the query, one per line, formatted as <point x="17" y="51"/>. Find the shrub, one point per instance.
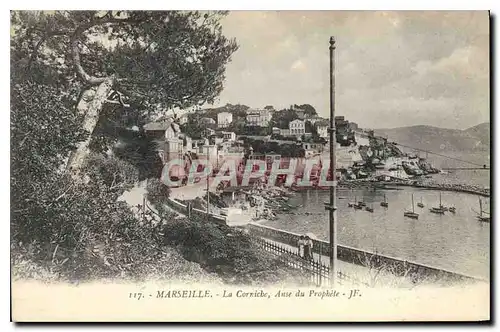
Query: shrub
<point x="230" y="253"/>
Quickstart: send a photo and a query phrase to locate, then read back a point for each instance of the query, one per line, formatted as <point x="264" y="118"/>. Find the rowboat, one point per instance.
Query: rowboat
<point x="420" y="204"/>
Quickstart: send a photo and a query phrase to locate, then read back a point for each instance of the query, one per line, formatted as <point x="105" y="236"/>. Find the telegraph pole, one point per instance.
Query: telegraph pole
<point x="208" y="186"/>
<point x="331" y="207"/>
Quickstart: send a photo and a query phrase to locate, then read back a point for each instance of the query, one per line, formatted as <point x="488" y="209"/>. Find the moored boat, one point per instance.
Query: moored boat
<point x="352" y="204"/>
<point x="482" y="215"/>
<point x="439" y="210"/>
<point x="384" y="203"/>
<point x="357" y="207"/>
<point x="420" y="204"/>
<point x="411" y="214"/>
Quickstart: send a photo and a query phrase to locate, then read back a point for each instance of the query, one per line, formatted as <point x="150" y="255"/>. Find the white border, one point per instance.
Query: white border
<point x="189" y="4"/>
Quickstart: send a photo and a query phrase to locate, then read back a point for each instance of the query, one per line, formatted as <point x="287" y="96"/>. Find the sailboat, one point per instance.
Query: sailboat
<point x="438" y="210"/>
<point x="411" y="214"/>
<point x="352" y="204"/>
<point x="482" y="217"/>
<point x="420" y="204"/>
<point x="356" y="205"/>
<point x="384" y="203"/>
<point x="361" y="203"/>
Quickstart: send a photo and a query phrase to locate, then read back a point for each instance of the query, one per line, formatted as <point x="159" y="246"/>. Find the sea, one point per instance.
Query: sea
<point x="455" y="242"/>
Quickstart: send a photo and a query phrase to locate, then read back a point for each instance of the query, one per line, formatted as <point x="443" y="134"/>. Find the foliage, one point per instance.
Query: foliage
<point x="80" y="229"/>
<point x="139" y="150"/>
<point x="282" y="118"/>
<point x="285" y="150"/>
<point x="254" y="131"/>
<point x="194" y="127"/>
<point x="160" y="58"/>
<point x="308" y="109"/>
<point x="157" y="193"/>
<point x="223" y="250"/>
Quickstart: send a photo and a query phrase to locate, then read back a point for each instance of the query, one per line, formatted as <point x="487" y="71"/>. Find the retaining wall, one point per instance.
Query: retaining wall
<point x="361" y="257"/>
<point x="181" y="208"/>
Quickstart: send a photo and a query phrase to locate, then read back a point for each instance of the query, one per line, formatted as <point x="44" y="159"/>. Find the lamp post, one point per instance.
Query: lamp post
<point x="331" y="206"/>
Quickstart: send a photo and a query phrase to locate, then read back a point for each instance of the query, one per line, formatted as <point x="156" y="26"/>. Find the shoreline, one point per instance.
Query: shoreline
<point x="463" y="188"/>
<point x="468" y="189"/>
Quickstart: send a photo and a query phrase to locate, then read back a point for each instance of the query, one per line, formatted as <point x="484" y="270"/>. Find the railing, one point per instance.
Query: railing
<point x="181" y="208"/>
<point x="358" y="256"/>
<point x="318" y="273"/>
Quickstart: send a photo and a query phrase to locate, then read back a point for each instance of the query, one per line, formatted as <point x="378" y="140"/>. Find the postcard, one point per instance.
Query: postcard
<point x="250" y="166"/>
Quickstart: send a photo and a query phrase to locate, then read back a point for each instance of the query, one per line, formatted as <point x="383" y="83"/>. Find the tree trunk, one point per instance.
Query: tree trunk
<point x="77" y="157"/>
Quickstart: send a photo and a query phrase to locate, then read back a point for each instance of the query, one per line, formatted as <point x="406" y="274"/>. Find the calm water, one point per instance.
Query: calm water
<point x="471" y="177"/>
<point x="454" y="242"/>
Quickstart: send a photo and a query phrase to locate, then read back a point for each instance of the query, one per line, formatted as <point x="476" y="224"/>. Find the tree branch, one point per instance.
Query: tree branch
<point x="75" y="50"/>
<point x="46" y="36"/>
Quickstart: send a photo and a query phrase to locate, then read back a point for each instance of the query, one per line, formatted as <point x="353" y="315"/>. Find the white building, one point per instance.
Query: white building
<point x="172" y="131"/>
<point x="297" y="127"/>
<point x="229" y="136"/>
<point x="315" y="118"/>
<point x="224" y="119"/>
<point x="322" y="129"/>
<point x="285" y="132"/>
<point x="258" y="118"/>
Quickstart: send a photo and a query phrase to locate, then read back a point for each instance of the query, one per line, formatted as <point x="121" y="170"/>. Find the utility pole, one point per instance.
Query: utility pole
<point x="331" y="207"/>
<point x="208" y="192"/>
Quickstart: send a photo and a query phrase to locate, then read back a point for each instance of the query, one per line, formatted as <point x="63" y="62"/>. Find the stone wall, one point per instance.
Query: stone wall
<point x="360" y="257"/>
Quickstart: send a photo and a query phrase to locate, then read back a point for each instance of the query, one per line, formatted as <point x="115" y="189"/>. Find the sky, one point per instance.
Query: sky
<point x="393" y="69"/>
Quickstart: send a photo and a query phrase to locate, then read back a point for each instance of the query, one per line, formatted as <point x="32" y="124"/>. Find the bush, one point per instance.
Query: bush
<point x="228" y="252"/>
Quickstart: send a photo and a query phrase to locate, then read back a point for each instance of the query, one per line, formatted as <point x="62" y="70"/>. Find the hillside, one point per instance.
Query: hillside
<point x="441" y="140"/>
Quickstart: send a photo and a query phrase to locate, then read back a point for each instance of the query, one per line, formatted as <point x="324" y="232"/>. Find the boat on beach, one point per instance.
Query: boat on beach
<point x="411" y="214"/>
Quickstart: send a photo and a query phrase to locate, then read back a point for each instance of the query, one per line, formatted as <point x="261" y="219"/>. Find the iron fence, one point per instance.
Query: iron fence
<point x="316" y="270"/>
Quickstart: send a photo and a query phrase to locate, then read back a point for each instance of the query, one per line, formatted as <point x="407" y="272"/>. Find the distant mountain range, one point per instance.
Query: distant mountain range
<point x="441" y="140"/>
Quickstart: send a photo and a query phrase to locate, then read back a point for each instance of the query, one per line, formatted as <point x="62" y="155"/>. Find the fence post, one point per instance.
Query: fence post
<point x="320" y="270"/>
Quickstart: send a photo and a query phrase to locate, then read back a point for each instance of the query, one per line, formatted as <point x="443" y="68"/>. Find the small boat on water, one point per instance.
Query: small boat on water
<point x="357" y="207"/>
<point x="420" y="204"/>
<point x="411" y="214"/>
<point x="352" y="204"/>
<point x="439" y="210"/>
<point x="361" y="203"/>
<point x="384" y="203"/>
<point x="452" y="209"/>
<point x="369" y="209"/>
<point x="483" y="216"/>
